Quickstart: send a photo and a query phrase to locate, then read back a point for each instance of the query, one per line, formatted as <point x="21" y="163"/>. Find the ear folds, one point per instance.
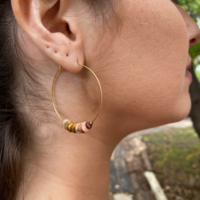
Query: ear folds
<point x="48" y="26"/>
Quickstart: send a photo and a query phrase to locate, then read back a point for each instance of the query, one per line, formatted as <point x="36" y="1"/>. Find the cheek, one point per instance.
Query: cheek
<point x="146" y="63"/>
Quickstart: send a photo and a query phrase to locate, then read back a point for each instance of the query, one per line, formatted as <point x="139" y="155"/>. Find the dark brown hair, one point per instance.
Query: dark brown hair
<point x="14" y="132"/>
<point x="12" y="126"/>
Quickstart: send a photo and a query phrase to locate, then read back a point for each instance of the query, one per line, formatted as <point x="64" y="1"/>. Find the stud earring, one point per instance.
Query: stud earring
<point x="69" y="125"/>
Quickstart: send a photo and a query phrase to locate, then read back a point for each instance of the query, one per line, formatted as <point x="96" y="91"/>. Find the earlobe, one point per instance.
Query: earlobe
<point x="43" y="23"/>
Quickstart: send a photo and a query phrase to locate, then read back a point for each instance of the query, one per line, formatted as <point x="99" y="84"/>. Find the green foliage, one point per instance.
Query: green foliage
<point x="195" y="155"/>
<point x="195" y="51"/>
<point x="192" y="7"/>
<point x="175" y="151"/>
<point x="197" y="74"/>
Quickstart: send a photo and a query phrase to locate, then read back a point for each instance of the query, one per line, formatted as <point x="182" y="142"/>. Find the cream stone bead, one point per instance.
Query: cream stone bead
<point x="85" y="129"/>
<point x="66" y="122"/>
<point x="76" y="129"/>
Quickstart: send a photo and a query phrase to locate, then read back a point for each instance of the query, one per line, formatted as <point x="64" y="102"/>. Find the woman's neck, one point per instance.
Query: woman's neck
<point x="68" y="167"/>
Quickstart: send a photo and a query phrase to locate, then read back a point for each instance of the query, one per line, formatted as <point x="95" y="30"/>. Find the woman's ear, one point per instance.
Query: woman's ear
<point x="52" y="29"/>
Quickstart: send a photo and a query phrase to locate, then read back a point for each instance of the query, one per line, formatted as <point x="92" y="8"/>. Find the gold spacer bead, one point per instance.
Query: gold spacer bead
<point x="74" y="128"/>
<point x="69" y="127"/>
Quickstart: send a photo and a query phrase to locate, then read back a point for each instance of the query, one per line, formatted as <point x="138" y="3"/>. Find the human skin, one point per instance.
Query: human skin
<point x="141" y="67"/>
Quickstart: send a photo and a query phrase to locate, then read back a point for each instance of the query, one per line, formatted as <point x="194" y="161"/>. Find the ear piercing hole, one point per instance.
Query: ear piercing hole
<point x="47" y="47"/>
<point x="56" y="51"/>
<point x="67" y="55"/>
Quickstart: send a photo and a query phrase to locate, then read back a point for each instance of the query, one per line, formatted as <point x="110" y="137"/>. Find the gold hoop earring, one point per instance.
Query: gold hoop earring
<point x="69" y="125"/>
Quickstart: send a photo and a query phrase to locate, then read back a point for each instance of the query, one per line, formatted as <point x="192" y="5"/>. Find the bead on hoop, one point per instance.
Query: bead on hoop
<point x="83" y="127"/>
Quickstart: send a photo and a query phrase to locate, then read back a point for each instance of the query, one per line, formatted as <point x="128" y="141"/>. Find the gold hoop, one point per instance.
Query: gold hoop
<point x="69" y="125"/>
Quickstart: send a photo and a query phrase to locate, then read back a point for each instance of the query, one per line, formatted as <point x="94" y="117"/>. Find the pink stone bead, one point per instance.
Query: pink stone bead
<point x="84" y="128"/>
<point x="80" y="128"/>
